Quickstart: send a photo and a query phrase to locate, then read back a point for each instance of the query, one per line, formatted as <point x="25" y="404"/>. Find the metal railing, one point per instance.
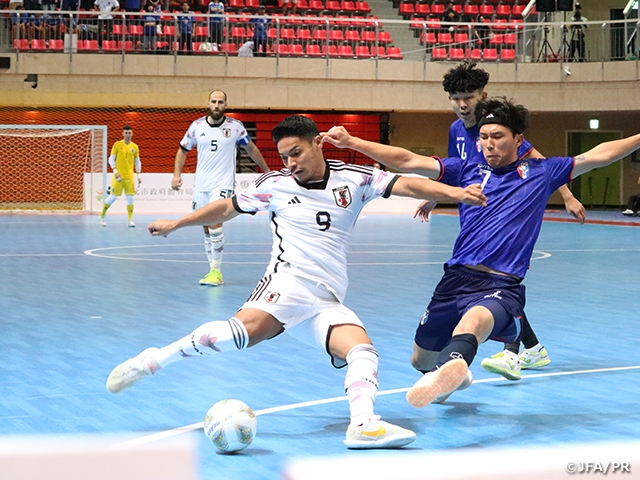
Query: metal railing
<point x="319" y="36"/>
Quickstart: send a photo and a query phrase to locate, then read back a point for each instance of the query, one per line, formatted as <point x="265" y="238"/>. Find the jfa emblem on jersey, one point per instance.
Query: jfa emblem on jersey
<point x="342" y="196"/>
<point x="478" y="146"/>
<point x="425" y="317"/>
<point x="523" y="170"/>
<point x="226" y="132"/>
<point x="271" y="297"/>
<point x="133" y="150"/>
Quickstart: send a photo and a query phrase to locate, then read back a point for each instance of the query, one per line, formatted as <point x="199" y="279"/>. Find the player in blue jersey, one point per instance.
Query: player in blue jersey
<point x="481" y="295"/>
<point x="465" y="84"/>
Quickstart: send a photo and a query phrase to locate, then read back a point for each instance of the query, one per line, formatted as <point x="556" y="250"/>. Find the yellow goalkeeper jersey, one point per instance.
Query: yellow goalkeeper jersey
<point x="125" y="156"/>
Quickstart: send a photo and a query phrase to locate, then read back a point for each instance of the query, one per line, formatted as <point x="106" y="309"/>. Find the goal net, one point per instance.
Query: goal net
<point x="50" y="167"/>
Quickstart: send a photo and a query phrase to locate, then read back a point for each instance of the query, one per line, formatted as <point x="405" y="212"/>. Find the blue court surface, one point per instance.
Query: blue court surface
<point x="77" y="299"/>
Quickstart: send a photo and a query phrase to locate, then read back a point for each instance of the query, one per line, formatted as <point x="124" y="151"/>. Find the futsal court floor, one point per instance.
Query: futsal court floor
<point x="77" y="299"/>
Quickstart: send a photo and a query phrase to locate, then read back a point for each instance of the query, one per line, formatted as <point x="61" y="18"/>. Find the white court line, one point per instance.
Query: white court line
<point x="292" y="406"/>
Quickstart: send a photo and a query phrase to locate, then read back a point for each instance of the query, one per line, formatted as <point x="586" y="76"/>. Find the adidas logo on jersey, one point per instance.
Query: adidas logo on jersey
<point x="294" y="200"/>
<point x="203" y="134"/>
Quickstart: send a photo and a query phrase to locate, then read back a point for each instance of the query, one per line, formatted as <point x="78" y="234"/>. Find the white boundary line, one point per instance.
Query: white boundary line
<point x="292" y="406"/>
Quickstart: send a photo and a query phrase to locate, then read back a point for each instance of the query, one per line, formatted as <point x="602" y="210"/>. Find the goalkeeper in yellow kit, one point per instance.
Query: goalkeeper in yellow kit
<point x="124" y="156"/>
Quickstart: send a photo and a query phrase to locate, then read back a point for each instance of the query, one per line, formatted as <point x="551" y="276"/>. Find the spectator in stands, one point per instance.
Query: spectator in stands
<point x="49" y="4"/>
<point x="71" y="21"/>
<point x="157" y="5"/>
<point x="450" y="15"/>
<point x="53" y="24"/>
<point x="132" y="6"/>
<point x="13" y="4"/>
<point x="186" y="19"/>
<point x="289" y="7"/>
<point x="150" y="30"/>
<point x="481" y="33"/>
<point x="577" y="36"/>
<point x="19" y="23"/>
<point x="246" y="50"/>
<point x="216" y="25"/>
<point x="105" y="19"/>
<point x="260" y="24"/>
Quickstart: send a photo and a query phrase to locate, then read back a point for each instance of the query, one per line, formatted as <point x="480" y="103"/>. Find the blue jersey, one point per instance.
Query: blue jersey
<point x="465" y="142"/>
<point x="501" y="235"/>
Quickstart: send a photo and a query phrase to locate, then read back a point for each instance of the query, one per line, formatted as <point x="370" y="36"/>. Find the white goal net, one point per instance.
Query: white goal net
<point x="50" y="167"/>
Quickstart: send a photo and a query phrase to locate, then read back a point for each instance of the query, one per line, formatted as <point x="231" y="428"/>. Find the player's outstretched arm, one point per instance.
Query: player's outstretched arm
<point x="394" y="157"/>
<point x="255" y="154"/>
<point x="605" y="154"/>
<point x="430" y="190"/>
<point x="571" y="203"/>
<point x="216" y="212"/>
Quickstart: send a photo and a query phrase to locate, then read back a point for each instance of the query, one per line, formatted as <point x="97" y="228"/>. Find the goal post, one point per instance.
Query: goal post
<point x="52" y="167"/>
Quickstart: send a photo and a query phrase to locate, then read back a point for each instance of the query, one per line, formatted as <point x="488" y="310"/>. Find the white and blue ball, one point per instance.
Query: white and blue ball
<point x="230" y="425"/>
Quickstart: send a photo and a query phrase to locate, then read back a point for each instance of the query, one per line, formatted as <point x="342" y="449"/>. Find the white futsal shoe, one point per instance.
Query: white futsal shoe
<point x="377" y="433"/>
<point x="132" y="371"/>
<point x="466" y="383"/>
<point x="505" y="363"/>
<point x="438" y="383"/>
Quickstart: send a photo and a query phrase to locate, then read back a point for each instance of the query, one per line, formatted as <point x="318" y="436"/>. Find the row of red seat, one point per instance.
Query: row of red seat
<point x="295" y="49"/>
<point x="302" y="5"/>
<point x="472" y="9"/>
<point x="488" y="54"/>
<point x="431" y="38"/>
<point x="435" y="24"/>
<point x="320" y="35"/>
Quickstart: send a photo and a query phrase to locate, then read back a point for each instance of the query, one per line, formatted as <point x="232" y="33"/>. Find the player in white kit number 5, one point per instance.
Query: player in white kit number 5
<point x="215" y="137"/>
<point x="313" y="205"/>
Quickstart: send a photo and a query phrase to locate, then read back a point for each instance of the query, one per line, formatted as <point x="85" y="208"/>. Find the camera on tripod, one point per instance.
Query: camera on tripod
<point x="548" y="6"/>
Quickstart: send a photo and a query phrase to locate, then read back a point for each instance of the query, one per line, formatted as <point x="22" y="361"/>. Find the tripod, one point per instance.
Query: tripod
<point x="565" y="49"/>
<point x="545" y="48"/>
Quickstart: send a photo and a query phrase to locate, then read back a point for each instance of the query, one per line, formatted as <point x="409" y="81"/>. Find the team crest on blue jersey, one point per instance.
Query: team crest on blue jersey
<point x="342" y="196"/>
<point x="523" y="170"/>
<point x="425" y="317"/>
<point x="226" y="132"/>
<point x="478" y="146"/>
<point x="271" y="297"/>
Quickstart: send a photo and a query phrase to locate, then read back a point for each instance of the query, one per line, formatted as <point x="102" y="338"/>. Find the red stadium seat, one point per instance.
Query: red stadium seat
<point x="439" y="53"/>
<point x="507" y="55"/>
<point x="394" y="53"/>
<point x="490" y="54"/>
<point x="22" y="44"/>
<point x="313" y="50"/>
<point x="362" y="51"/>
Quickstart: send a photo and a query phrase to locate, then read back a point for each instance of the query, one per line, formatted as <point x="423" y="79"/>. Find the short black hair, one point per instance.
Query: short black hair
<point x="295" y="126"/>
<point x="506" y="112"/>
<point x="127" y="127"/>
<point x="465" y="78"/>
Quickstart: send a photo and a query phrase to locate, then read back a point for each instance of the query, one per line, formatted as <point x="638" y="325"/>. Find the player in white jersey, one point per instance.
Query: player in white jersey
<point x="313" y="206"/>
<point x="215" y="136"/>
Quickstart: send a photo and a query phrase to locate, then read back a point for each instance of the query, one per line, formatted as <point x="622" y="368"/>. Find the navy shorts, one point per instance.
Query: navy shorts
<point x="462" y="288"/>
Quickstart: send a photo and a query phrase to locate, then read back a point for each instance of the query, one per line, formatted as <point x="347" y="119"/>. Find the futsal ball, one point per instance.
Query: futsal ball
<point x="230" y="425"/>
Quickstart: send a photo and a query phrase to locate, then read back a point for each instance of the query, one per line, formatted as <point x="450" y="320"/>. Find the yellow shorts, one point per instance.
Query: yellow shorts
<point x="118" y="186"/>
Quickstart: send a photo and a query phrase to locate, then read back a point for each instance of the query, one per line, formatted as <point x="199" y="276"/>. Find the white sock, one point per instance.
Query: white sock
<point x="216" y="238"/>
<point x="207" y="247"/>
<point x="361" y="382"/>
<point x="218" y="336"/>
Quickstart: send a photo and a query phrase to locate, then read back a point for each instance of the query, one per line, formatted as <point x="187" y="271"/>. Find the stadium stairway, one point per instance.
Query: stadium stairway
<point x="402" y="36"/>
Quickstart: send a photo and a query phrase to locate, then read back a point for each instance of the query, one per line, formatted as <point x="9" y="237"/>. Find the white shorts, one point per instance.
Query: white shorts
<point x="306" y="308"/>
<point x="200" y="199"/>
